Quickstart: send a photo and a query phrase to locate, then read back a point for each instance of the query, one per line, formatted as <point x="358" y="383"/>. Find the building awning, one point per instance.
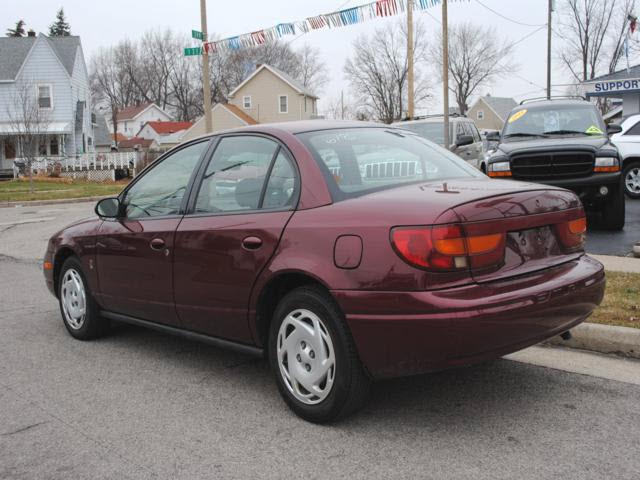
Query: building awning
<point x="52" y="128"/>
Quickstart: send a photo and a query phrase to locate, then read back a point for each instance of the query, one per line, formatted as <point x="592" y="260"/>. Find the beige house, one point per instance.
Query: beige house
<point x="268" y="95"/>
<point x="490" y="113"/>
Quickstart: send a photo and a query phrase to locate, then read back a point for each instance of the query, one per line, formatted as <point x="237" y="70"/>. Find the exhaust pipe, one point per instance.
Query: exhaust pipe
<point x="566" y="336"/>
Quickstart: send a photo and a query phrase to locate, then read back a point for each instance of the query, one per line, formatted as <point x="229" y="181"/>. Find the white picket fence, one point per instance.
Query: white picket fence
<point x="82" y="163"/>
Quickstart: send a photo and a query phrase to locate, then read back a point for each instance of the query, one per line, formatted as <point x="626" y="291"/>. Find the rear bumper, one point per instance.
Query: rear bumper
<point x="406" y="333"/>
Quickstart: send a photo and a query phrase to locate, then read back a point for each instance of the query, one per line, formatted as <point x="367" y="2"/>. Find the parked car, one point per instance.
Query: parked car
<point x="251" y="239"/>
<point x="465" y="139"/>
<point x="564" y="142"/>
<point x="628" y="143"/>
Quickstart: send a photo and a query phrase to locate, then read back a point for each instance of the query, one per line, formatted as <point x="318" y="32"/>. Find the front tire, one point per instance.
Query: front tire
<point x="631" y="178"/>
<point x="314" y="359"/>
<point x="80" y="312"/>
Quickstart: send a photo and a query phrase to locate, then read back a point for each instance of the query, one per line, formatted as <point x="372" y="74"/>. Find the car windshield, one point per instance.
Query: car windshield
<point x="360" y="160"/>
<point x="553" y="120"/>
<point x="433" y="131"/>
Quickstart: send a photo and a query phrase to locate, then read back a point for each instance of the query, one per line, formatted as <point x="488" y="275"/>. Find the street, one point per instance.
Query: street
<point x="139" y="404"/>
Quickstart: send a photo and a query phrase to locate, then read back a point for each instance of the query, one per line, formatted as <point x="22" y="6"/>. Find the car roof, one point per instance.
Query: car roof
<point x="436" y="119"/>
<point x="543" y="104"/>
<point x="299" y="126"/>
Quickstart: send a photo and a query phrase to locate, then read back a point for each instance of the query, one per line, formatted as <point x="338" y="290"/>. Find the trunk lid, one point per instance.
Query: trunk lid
<point x="530" y="220"/>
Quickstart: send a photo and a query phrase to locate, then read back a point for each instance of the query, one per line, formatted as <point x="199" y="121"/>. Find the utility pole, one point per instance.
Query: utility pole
<point x="342" y="104"/>
<point x="410" y="87"/>
<point x="206" y="80"/>
<point x="445" y="72"/>
<point x="549" y="49"/>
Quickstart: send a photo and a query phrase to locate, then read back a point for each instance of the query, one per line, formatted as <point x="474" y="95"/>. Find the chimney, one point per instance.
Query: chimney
<point x="31" y="33"/>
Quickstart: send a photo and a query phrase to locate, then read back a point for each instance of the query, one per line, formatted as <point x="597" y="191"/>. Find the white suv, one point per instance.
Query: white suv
<point x="628" y="143"/>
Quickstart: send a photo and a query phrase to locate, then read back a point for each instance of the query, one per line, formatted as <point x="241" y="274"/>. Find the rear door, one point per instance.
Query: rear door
<point x="245" y="198"/>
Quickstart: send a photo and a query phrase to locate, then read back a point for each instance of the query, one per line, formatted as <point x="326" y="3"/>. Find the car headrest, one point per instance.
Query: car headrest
<point x="248" y="192"/>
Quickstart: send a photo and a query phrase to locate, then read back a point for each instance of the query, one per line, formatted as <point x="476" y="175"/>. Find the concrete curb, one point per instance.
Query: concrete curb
<point x="35" y="203"/>
<point x="603" y="339"/>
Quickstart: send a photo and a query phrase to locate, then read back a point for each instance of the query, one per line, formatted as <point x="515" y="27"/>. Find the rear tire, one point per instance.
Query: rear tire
<point x="80" y="312"/>
<point x="314" y="359"/>
<point x="631" y="179"/>
<point x="613" y="212"/>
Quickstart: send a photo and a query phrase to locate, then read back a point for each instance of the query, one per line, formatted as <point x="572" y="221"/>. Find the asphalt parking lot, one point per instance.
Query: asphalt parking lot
<point x="617" y="243"/>
<point x="139" y="404"/>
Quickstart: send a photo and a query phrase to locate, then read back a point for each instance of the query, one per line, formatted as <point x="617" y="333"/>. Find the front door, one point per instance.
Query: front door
<point x="135" y="253"/>
<point x="245" y="199"/>
<point x="9" y="151"/>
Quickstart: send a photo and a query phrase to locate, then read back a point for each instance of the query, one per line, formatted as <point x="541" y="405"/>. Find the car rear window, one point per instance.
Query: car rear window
<point x="360" y="160"/>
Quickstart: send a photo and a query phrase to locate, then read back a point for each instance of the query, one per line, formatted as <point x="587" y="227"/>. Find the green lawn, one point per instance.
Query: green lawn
<point x="621" y="304"/>
<point x="18" y="190"/>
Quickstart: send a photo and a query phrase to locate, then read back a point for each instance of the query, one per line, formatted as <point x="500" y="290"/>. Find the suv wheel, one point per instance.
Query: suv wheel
<point x="80" y="313"/>
<point x="631" y="176"/>
<point x="613" y="212"/>
<point x="314" y="359"/>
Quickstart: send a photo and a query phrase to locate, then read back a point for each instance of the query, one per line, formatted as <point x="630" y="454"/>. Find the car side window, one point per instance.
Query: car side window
<point x="475" y="133"/>
<point x="281" y="187"/>
<point x="635" y="130"/>
<point x="460" y="130"/>
<point x="236" y="175"/>
<point x="161" y="190"/>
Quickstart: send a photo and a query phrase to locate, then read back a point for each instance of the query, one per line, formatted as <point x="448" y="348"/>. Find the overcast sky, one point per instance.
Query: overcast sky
<point x="105" y="23"/>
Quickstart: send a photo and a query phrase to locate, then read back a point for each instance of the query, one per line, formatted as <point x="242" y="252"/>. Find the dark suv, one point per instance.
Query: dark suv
<point x="564" y="143"/>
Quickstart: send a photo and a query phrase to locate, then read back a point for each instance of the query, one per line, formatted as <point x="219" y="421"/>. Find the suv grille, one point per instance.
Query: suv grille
<point x="541" y="166"/>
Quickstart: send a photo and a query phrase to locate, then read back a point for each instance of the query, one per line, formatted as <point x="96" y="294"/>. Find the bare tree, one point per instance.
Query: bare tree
<point x="29" y="121"/>
<point x="377" y="70"/>
<point x="154" y="69"/>
<point x="477" y="57"/>
<point x="593" y="32"/>
<point x="311" y="69"/>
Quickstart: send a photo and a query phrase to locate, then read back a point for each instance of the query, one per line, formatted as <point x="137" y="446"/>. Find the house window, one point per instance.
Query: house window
<point x="480" y="115"/>
<point x="44" y="96"/>
<point x="246" y="102"/>
<point x="284" y="104"/>
<point x="54" y="147"/>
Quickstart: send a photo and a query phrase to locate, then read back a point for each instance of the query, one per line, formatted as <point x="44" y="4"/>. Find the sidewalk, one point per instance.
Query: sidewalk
<point x="619" y="264"/>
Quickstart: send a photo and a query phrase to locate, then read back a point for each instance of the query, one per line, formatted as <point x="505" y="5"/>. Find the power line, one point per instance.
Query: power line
<point x="507" y="18"/>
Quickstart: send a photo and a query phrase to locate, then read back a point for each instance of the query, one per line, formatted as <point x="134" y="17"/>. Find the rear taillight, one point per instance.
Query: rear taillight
<point x="447" y="247"/>
<point x="572" y="234"/>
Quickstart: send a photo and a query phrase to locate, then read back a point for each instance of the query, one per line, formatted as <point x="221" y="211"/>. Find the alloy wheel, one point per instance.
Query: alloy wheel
<point x="306" y="357"/>
<point x="632" y="180"/>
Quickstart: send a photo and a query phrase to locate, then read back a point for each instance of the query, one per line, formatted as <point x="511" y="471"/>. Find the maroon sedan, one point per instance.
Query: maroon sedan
<point x="345" y="252"/>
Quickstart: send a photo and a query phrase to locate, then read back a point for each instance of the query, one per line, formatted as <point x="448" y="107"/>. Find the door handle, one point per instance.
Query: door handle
<point x="251" y="243"/>
<point x="157" y="244"/>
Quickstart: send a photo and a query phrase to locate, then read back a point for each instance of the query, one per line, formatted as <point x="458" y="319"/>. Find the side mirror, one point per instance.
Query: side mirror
<point x="493" y="136"/>
<point x="613" y="128"/>
<point x="108" y="208"/>
<point x="464" y="140"/>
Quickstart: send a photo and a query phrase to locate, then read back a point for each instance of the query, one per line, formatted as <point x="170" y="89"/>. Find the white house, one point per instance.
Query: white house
<point x="50" y="74"/>
<point x="132" y="119"/>
<point x="164" y="134"/>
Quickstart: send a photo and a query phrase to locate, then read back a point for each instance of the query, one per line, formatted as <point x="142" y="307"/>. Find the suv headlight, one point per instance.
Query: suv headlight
<point x="499" y="169"/>
<point x="606" y="164"/>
